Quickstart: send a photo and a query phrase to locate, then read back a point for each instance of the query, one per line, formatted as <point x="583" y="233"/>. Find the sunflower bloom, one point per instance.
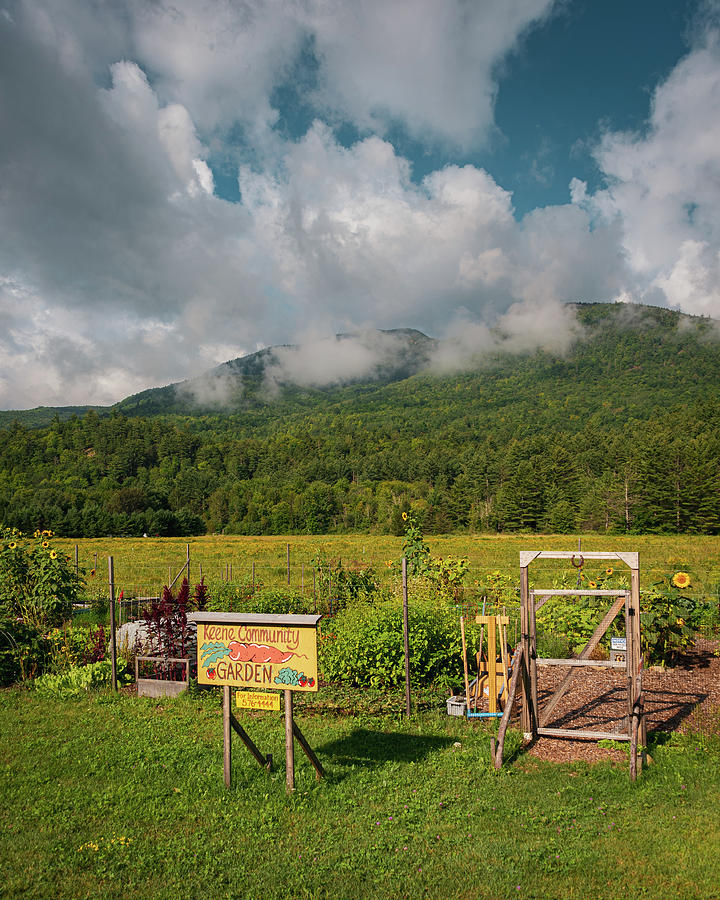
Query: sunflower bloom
<point x="680" y="580"/>
<point x="592" y="584"/>
<point x="404" y="517"/>
<point x="53" y="554"/>
<point x="45" y="544"/>
<point x="12" y="545"/>
<point x="608" y="571"/>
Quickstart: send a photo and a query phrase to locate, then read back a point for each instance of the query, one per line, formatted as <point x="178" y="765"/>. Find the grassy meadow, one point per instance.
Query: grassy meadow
<point x="143" y="565"/>
<point x="112" y="795"/>
<point x="115" y="796"/>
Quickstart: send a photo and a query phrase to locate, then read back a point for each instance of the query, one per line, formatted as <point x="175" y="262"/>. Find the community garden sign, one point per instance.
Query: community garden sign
<point x="252" y="650"/>
<point x="263" y="652"/>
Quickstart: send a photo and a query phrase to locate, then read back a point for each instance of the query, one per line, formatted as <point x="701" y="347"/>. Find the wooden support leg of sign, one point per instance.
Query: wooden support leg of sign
<point x="264" y="761"/>
<point x="227" y="737"/>
<point x="289" y="745"/>
<point x="292" y="731"/>
<point x="230" y="722"/>
<point x="309" y="752"/>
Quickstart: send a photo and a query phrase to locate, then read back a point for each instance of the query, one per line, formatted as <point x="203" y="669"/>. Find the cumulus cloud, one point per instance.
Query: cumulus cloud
<point x="121" y="268"/>
<point x="430" y="64"/>
<point x="663" y="189"/>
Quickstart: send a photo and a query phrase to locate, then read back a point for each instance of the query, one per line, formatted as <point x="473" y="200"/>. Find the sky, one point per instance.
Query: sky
<point x="185" y="182"/>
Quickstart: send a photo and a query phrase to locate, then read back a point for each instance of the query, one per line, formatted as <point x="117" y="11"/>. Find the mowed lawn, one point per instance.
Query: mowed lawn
<point x="115" y="796"/>
<point x="143" y="565"/>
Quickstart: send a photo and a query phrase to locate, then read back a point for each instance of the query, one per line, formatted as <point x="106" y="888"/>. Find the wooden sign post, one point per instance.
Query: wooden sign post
<point x="254" y="650"/>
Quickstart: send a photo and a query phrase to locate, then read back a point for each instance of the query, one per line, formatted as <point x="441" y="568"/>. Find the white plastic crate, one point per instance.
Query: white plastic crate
<point x="456" y="706"/>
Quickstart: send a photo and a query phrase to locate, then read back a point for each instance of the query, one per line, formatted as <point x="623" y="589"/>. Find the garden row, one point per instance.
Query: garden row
<point x="43" y="639"/>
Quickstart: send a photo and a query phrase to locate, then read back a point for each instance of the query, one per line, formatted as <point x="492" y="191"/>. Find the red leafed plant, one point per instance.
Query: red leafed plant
<point x="167" y="625"/>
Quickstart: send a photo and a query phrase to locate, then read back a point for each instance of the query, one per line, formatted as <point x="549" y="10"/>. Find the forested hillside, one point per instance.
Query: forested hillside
<point x="622" y="434"/>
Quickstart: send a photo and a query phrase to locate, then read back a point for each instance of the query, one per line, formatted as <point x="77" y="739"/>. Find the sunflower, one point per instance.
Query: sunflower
<point x="37" y="533"/>
<point x="47" y="533"/>
<point x="404" y="517"/>
<point x="45" y="544"/>
<point x="592" y="584"/>
<point x="680" y="580"/>
<point x="12" y="545"/>
<point x="608" y="571"/>
<point x="53" y="554"/>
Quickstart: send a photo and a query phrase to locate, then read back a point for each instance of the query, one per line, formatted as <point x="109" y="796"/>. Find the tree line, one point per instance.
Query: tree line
<point x="619" y="435"/>
<point x="128" y="476"/>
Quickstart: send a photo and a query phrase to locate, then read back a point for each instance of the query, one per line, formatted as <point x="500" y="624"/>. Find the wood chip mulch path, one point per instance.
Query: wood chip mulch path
<point x="681" y="698"/>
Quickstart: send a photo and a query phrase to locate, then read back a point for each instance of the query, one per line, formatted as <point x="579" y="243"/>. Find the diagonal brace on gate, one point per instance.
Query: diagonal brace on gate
<point x="585" y="654"/>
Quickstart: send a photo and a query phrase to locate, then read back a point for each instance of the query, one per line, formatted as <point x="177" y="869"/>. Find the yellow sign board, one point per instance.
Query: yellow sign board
<point x="255" y="700"/>
<point x="252" y="650"/>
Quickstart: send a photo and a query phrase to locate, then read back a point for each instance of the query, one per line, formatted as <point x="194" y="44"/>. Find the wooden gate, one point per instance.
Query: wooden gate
<point x="534" y="719"/>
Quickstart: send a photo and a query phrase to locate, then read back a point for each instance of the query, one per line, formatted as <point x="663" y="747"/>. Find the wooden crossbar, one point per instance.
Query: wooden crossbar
<point x="593" y="663"/>
<point x="579" y="733"/>
<point x="566" y="592"/>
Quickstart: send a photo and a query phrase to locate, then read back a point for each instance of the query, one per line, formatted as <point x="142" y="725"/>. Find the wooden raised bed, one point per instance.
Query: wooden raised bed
<point x="161" y="687"/>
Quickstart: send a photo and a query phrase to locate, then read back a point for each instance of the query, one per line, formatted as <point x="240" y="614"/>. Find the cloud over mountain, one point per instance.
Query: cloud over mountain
<point x="122" y="264"/>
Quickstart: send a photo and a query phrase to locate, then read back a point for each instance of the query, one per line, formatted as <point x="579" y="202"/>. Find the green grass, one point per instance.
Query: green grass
<point x="142" y="565"/>
<point x="115" y="796"/>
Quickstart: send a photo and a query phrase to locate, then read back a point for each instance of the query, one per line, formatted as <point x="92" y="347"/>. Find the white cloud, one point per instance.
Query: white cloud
<point x="122" y="269"/>
<point x="664" y="189"/>
<point x="430" y="63"/>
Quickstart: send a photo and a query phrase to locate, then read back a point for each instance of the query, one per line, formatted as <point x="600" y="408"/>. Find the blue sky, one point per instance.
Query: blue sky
<point x="183" y="183"/>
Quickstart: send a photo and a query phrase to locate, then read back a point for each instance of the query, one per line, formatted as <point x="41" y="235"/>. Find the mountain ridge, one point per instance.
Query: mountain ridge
<point x="245" y="386"/>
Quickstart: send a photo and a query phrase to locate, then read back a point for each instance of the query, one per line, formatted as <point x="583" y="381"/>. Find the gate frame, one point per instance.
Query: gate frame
<point x="533" y="721"/>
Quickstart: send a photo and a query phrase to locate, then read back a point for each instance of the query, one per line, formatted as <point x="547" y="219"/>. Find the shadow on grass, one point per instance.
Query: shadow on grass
<point x="369" y="749"/>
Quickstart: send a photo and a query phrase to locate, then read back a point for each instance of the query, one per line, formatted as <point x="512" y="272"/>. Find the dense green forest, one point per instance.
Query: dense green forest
<point x="622" y="434"/>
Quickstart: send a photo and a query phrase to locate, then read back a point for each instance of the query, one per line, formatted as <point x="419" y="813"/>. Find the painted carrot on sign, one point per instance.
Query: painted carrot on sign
<point x="258" y="653"/>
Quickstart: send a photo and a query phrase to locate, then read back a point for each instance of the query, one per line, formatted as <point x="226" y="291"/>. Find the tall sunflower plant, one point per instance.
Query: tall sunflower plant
<point x="446" y="574"/>
<point x="669" y="619"/>
<point x="38" y="584"/>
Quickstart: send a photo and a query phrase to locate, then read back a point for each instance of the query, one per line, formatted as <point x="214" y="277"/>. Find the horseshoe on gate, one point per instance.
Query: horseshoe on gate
<point x="577" y="565"/>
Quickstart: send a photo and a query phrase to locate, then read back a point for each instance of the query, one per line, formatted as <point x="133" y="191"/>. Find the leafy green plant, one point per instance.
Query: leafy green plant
<point x="229" y="597"/>
<point x="365" y="645"/>
<point x="337" y="585"/>
<point x="77" y="681"/>
<point x="76" y="645"/>
<point x="24" y="650"/>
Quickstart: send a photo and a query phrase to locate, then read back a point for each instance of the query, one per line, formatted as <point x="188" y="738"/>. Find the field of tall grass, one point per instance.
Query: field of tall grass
<point x="143" y="565"/>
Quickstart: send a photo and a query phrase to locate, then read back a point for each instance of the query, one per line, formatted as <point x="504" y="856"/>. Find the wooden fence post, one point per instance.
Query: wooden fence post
<point x="113" y="645"/>
<point x="406" y="636"/>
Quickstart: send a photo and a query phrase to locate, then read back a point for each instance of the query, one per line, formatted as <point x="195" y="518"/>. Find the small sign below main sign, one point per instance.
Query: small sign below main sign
<point x="254" y="700"/>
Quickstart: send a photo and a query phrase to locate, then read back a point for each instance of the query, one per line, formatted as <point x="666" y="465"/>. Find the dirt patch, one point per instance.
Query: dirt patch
<point x="677" y="699"/>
